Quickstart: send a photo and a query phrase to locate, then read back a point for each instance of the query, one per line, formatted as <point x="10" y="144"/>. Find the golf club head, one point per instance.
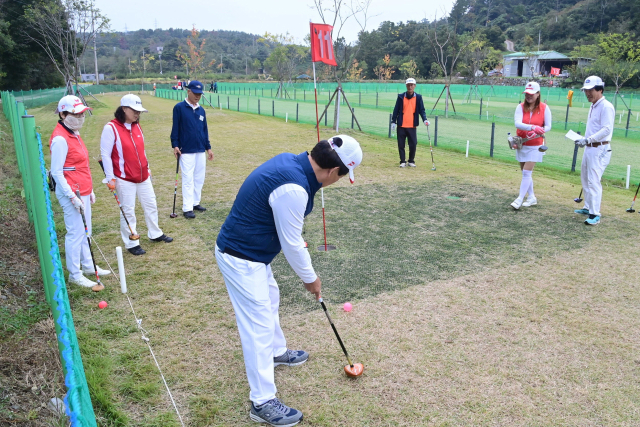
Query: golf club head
<point x="631" y="210"/>
<point x="134" y="237"/>
<point x="173" y="215"/>
<point x="433" y="168"/>
<point x="98" y="287"/>
<point x="577" y="200"/>
<point x="543" y="148"/>
<point x="356" y="371"/>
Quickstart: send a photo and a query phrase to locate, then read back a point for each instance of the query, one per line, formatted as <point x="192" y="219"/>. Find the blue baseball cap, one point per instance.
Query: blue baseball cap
<point x="195" y="86"/>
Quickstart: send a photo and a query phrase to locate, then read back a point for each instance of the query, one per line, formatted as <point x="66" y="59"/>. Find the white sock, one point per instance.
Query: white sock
<point x="526" y="182"/>
<point x="530" y="190"/>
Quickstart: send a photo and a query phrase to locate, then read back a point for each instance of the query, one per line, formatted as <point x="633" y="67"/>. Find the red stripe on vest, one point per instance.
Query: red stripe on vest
<point x="536" y="119"/>
<point x="78" y="158"/>
<point x="135" y="165"/>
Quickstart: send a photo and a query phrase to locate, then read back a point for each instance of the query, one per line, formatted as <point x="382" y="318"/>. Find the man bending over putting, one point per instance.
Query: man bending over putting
<point x="267" y="216"/>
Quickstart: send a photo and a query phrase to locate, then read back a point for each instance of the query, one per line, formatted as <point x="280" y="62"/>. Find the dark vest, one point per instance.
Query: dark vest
<point x="250" y="229"/>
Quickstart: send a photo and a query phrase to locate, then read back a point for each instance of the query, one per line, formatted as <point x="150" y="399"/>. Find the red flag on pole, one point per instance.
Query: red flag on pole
<point x="555" y="71"/>
<point x="322" y="45"/>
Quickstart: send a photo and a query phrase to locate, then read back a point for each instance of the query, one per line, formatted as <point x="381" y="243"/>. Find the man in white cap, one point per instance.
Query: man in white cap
<point x="266" y="217"/>
<point x="126" y="168"/>
<point x="406" y="114"/>
<point x="597" y="143"/>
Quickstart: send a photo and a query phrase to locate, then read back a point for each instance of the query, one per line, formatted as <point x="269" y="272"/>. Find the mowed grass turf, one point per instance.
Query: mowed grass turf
<point x="465" y="312"/>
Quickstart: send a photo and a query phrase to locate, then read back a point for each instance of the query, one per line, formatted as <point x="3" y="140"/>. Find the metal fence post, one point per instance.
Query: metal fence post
<point x="566" y="118"/>
<point x="353" y="112"/>
<point x="435" y="134"/>
<point x="360" y="99"/>
<point x="238" y="104"/>
<point x="273" y="107"/>
<point x="390" y="116"/>
<point x="493" y="132"/>
<point x="258" y="106"/>
<point x="297" y="110"/>
<point x="626" y="132"/>
<point x="480" y="109"/>
<point x="575" y="157"/>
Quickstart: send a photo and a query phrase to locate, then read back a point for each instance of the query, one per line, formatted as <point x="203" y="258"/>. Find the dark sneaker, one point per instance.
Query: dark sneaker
<point x="199" y="208"/>
<point x="291" y="358"/>
<point x="137" y="250"/>
<point x="163" y="238"/>
<point x="275" y="413"/>
<point x="189" y="215"/>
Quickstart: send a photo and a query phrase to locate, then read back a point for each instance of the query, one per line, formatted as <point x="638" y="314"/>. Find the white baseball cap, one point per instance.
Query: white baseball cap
<point x="410" y="81"/>
<point x="350" y="152"/>
<point x="531" y="88"/>
<point x="132" y="101"/>
<point x="591" y="82"/>
<point x="72" y="104"/>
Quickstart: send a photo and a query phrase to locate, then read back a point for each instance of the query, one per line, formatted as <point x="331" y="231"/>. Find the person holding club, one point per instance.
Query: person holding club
<point x="71" y="173"/>
<point x="126" y="168"/>
<point x="532" y="119"/>
<point x="267" y="216"/>
<point x="191" y="146"/>
<point x="406" y="114"/>
<point x="597" y="151"/>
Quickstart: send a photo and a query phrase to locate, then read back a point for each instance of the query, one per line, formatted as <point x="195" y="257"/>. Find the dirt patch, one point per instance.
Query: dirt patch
<point x="30" y="370"/>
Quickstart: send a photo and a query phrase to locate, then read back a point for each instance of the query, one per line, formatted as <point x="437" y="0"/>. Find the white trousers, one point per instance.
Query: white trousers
<point x="127" y="192"/>
<point x="255" y="297"/>
<point x="76" y="247"/>
<point x="594" y="162"/>
<point x="193" y="167"/>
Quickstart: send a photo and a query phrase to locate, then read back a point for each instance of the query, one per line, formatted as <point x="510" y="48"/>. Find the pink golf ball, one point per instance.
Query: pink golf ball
<point x="347" y="306"/>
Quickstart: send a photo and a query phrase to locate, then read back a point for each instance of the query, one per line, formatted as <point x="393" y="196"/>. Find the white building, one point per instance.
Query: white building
<point x="534" y="64"/>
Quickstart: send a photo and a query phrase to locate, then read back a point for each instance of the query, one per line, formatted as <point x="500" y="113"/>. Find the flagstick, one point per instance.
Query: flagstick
<point x="315" y="91"/>
<point x="324" y="224"/>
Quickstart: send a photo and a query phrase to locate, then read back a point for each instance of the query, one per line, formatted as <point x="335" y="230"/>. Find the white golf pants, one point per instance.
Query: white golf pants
<point x="594" y="162"/>
<point x="127" y="192"/>
<point x="76" y="247"/>
<point x="193" y="167"/>
<point x="255" y="297"/>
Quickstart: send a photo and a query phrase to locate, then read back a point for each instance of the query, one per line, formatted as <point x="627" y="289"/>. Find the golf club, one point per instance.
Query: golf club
<point x="579" y="198"/>
<point x="431" y="148"/>
<point x="99" y="286"/>
<point x="631" y="210"/>
<point x="175" y="189"/>
<point x="132" y="236"/>
<point x="352" y="370"/>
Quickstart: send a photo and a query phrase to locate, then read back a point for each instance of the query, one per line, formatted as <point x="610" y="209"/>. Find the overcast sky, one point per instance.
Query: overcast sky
<point x="254" y="16"/>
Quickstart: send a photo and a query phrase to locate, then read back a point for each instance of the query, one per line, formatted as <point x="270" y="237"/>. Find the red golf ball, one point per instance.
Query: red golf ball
<point x="347" y="306"/>
<point x="102" y="304"/>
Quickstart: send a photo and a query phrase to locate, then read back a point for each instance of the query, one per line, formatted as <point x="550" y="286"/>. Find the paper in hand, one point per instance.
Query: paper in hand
<point x="573" y="136"/>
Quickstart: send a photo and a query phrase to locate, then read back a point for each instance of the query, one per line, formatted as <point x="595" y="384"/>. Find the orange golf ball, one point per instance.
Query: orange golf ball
<point x="102" y="304"/>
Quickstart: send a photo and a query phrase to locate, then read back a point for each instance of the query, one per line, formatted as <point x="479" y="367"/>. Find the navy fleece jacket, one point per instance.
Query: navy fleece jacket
<point x="189" y="131"/>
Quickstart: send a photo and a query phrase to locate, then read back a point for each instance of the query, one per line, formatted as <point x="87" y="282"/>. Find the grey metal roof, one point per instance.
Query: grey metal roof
<point x="540" y="54"/>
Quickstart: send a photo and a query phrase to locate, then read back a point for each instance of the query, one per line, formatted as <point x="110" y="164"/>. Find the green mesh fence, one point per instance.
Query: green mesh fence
<point x="451" y="132"/>
<point x="31" y="164"/>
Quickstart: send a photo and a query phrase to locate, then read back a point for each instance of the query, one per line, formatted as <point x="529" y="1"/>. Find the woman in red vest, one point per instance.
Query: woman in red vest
<point x="127" y="170"/>
<point x="532" y="120"/>
<point x="71" y="173"/>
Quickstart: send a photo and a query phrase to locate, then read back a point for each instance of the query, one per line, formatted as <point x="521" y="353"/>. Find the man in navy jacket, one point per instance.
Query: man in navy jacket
<point x="408" y="107"/>
<point x="190" y="141"/>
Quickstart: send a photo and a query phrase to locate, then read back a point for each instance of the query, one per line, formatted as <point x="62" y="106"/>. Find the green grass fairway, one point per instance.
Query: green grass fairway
<point x="466" y="313"/>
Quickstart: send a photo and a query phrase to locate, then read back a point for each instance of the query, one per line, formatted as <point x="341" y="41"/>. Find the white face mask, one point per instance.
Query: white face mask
<point x="73" y="123"/>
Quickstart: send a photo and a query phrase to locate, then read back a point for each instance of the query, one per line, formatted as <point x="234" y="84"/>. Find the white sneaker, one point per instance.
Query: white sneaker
<point x="516" y="203"/>
<point x="530" y="202"/>
<point x="90" y="270"/>
<point x="82" y="281"/>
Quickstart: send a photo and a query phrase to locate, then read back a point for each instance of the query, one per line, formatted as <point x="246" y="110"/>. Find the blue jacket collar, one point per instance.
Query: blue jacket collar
<point x="303" y="159"/>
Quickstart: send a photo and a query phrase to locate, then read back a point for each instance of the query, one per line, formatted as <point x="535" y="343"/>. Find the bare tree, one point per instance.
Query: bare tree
<point x="337" y="13"/>
<point x="447" y="49"/>
<point x="64" y="29"/>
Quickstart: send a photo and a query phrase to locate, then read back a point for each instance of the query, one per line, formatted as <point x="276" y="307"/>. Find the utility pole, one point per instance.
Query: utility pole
<point x="95" y="51"/>
<point x="160" y="49"/>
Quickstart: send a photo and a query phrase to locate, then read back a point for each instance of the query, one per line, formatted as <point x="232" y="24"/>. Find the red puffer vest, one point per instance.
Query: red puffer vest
<point x="76" y="165"/>
<point x="128" y="156"/>
<point x="535" y="119"/>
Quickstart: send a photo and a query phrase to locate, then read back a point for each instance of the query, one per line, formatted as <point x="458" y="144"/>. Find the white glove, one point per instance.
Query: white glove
<point x="393" y="127"/>
<point x="77" y="203"/>
<point x="426" y="123"/>
<point x="92" y="197"/>
<point x="582" y="142"/>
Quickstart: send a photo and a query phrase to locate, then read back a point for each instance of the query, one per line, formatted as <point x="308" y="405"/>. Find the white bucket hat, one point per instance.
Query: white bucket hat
<point x="349" y="152"/>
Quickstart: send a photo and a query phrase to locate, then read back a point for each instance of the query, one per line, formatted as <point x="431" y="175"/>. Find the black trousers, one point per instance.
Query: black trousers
<point x="403" y="135"/>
